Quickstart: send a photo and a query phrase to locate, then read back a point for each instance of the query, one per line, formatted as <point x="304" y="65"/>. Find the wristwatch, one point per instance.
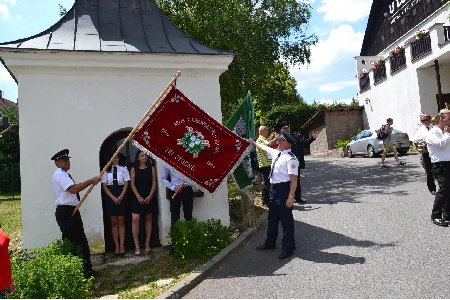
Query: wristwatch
<point x="291" y="196"/>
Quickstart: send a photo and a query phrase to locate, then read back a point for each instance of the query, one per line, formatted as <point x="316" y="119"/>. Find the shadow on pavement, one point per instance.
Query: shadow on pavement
<point x="332" y="181"/>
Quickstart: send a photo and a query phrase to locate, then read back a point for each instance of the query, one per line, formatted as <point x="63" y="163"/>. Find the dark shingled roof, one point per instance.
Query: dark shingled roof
<point x="115" y="26"/>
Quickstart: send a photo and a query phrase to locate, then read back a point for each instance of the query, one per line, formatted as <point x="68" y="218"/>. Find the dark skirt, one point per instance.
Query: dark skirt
<point x="143" y="183"/>
<point x="112" y="209"/>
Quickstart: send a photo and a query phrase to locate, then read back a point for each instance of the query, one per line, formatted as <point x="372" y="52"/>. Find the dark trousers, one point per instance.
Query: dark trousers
<point x="72" y="230"/>
<point x="441" y="206"/>
<point x="185" y="197"/>
<point x="298" y="191"/>
<point x="278" y="212"/>
<point x="430" y="178"/>
<point x="266" y="184"/>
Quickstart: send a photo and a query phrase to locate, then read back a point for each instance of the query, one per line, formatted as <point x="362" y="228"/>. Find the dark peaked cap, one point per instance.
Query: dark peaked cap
<point x="60" y="155"/>
<point x="287" y="137"/>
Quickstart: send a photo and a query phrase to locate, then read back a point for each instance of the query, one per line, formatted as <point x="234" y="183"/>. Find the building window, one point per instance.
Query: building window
<point x="421" y="47"/>
<point x="397" y="61"/>
<point x="446" y="33"/>
<point x="379" y="73"/>
<point x="364" y="82"/>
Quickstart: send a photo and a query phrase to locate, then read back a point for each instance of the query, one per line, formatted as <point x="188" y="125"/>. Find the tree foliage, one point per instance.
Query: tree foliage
<point x="9" y="142"/>
<point x="260" y="32"/>
<point x="295" y="114"/>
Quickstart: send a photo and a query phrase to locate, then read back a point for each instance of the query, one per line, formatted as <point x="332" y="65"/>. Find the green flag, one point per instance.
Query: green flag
<point x="242" y="122"/>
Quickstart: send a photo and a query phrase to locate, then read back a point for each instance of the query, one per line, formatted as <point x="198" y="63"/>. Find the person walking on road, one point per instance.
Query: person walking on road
<point x="438" y="143"/>
<point x="387" y="146"/>
<point x="420" y="143"/>
<point x="283" y="179"/>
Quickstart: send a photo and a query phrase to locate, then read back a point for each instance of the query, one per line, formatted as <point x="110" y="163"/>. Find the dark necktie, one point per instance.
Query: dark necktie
<point x="78" y="195"/>
<point x="115" y="183"/>
<point x="273" y="165"/>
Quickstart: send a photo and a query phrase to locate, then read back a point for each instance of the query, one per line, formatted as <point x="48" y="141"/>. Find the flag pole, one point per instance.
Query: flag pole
<point x="173" y="197"/>
<point x="129" y="137"/>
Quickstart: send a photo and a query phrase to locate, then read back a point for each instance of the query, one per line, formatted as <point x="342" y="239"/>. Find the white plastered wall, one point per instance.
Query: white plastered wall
<point x="75" y="100"/>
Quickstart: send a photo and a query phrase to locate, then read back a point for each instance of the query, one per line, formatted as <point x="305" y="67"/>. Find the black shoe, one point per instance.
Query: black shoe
<point x="440" y="222"/>
<point x="264" y="247"/>
<point x="284" y="255"/>
<point x="300" y="201"/>
<point x="433" y="193"/>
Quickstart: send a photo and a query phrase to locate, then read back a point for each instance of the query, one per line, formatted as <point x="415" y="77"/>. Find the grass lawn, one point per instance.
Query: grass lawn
<point x="10" y="195"/>
<point x="11" y="218"/>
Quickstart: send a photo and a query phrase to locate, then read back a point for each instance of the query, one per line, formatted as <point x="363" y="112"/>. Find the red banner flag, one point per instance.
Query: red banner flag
<point x="185" y="137"/>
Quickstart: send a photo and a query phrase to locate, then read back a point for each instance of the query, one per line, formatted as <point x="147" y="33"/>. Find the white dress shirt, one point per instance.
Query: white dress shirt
<point x="438" y="144"/>
<point x="285" y="165"/>
<point x="420" y="133"/>
<point x="175" y="179"/>
<point x="122" y="176"/>
<point x="60" y="183"/>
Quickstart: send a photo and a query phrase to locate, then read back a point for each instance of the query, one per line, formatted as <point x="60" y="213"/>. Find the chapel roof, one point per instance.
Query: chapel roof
<point x="115" y="26"/>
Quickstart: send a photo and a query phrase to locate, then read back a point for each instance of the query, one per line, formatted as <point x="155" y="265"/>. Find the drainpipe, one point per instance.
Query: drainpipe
<point x="438" y="80"/>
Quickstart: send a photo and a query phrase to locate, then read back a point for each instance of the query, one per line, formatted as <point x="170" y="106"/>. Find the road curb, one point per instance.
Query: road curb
<point x="184" y="286"/>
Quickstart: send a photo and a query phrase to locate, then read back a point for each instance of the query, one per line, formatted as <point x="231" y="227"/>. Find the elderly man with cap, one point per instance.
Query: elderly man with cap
<point x="65" y="191"/>
<point x="283" y="179"/>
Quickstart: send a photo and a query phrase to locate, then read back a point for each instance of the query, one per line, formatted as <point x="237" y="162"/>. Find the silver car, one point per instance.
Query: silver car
<point x="366" y="143"/>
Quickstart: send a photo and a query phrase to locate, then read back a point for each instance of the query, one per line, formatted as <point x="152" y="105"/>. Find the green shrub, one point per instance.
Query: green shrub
<point x="343" y="143"/>
<point x="50" y="272"/>
<point x="202" y="240"/>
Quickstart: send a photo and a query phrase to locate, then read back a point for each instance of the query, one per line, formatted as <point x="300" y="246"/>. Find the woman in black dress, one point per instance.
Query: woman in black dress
<point x="115" y="184"/>
<point x="143" y="185"/>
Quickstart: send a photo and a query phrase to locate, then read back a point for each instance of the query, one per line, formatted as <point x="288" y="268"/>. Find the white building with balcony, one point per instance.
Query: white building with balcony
<point x="411" y="37"/>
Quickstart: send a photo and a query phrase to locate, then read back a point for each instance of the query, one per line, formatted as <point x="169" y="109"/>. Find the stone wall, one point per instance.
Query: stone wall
<point x="342" y="125"/>
<point x="320" y="145"/>
<point x="339" y="125"/>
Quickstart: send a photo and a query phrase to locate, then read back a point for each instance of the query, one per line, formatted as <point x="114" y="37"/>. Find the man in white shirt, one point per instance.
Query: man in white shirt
<point x="65" y="191"/>
<point x="184" y="194"/>
<point x="283" y="179"/>
<point x="438" y="142"/>
<point x="419" y="139"/>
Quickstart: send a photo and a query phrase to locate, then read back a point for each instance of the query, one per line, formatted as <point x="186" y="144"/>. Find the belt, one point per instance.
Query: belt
<point x="280" y="184"/>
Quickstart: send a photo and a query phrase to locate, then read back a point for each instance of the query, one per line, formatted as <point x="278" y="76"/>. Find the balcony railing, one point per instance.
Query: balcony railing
<point x="421" y="47"/>
<point x="379" y="73"/>
<point x="364" y="82"/>
<point x="446" y="34"/>
<point x="397" y="62"/>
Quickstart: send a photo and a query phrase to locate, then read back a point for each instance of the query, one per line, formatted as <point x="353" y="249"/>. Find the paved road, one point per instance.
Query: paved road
<point x="364" y="233"/>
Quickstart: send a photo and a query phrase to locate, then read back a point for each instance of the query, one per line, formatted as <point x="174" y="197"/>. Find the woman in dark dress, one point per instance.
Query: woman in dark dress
<point x="144" y="202"/>
<point x="115" y="184"/>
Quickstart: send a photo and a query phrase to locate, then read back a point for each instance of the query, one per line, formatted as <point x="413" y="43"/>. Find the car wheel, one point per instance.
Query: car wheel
<point x="371" y="151"/>
<point x="349" y="152"/>
<point x="402" y="151"/>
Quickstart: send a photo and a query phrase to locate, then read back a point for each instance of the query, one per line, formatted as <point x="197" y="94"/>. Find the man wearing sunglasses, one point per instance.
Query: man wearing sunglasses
<point x="420" y="144"/>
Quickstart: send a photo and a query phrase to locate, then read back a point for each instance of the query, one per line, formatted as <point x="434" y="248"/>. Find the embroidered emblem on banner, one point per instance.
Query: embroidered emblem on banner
<point x="193" y="142"/>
